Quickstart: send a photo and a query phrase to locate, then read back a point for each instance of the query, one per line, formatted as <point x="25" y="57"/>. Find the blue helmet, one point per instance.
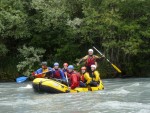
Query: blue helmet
<point x="70" y="67"/>
<point x="56" y="64"/>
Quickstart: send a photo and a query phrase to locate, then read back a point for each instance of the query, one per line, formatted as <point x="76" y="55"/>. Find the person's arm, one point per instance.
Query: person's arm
<point x="97" y="76"/>
<point x="99" y="58"/>
<point x="62" y="75"/>
<point x="82" y="59"/>
<point x="50" y="69"/>
<point x="96" y="64"/>
<point x="87" y="78"/>
<point x="39" y="71"/>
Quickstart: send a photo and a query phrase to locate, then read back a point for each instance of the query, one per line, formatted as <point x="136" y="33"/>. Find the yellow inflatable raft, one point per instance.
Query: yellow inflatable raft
<point x="51" y="86"/>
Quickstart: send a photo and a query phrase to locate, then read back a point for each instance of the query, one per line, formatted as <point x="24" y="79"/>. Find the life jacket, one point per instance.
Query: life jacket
<point x="95" y="76"/>
<point x="65" y="70"/>
<point x="56" y="74"/>
<point x="74" y="80"/>
<point x="90" y="60"/>
<point x="69" y="74"/>
<point x="92" y="75"/>
<point x="82" y="78"/>
<point x="44" y="71"/>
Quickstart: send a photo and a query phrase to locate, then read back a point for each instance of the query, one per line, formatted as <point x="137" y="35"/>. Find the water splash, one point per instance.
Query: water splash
<point x="28" y="86"/>
<point x="135" y="84"/>
<point x="118" y="91"/>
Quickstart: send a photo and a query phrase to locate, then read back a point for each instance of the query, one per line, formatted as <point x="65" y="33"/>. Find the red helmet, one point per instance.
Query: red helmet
<point x="65" y="64"/>
<point x="83" y="68"/>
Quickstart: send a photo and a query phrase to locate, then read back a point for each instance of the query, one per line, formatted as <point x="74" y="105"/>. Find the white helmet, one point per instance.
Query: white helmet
<point x="94" y="66"/>
<point x="90" y="50"/>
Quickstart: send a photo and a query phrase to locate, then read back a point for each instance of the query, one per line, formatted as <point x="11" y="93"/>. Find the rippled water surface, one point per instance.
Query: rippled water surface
<point x="119" y="96"/>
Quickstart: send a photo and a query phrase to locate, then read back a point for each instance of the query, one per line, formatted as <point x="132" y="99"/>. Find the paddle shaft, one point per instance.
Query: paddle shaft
<point x="115" y="67"/>
<point x="42" y="73"/>
<point x="101" y="54"/>
<point x="67" y="80"/>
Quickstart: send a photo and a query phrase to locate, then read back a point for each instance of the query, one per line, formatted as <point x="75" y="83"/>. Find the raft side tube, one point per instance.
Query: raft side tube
<point x="48" y="85"/>
<point x="51" y="86"/>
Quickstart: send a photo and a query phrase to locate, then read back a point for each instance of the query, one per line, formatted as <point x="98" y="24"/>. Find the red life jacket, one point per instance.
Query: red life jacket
<point x="90" y="61"/>
<point x="74" y="81"/>
<point x="57" y="74"/>
<point x="73" y="72"/>
<point x="82" y="78"/>
<point x="69" y="74"/>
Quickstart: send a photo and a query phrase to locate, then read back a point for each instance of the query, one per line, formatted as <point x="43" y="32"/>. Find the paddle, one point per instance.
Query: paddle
<point x="21" y="79"/>
<point x="24" y="78"/>
<point x="67" y="80"/>
<point x="115" y="67"/>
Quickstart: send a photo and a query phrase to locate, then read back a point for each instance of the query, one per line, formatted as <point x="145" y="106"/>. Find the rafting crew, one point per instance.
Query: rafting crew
<point x="90" y="59"/>
<point x="89" y="76"/>
<point x="43" y="71"/>
<point x="67" y="73"/>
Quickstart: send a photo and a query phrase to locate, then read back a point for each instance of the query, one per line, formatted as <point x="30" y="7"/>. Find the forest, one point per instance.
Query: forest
<point x="32" y="31"/>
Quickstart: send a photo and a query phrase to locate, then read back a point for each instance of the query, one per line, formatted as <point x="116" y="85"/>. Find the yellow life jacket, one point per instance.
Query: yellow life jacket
<point x="44" y="72"/>
<point x="95" y="76"/>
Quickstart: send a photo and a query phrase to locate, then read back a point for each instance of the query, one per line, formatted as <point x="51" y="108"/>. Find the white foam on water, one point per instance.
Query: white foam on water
<point x="95" y="112"/>
<point x="28" y="86"/>
<point x="18" y="102"/>
<point x="135" y="84"/>
<point x="122" y="105"/>
<point x="144" y="111"/>
<point x="148" y="85"/>
<point x="117" y="91"/>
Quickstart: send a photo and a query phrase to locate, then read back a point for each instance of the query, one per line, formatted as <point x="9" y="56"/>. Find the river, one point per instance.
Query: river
<point x="120" y="96"/>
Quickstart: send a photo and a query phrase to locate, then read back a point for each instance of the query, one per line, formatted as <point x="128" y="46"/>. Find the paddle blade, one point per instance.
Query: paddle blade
<point x="116" y="68"/>
<point x="21" y="79"/>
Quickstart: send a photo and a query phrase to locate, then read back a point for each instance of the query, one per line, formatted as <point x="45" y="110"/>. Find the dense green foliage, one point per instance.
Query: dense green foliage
<point x="66" y="29"/>
<point x="31" y="59"/>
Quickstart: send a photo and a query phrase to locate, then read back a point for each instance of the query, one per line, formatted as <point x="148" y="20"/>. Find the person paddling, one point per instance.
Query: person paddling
<point x="85" y="78"/>
<point x="95" y="75"/>
<point x="90" y="59"/>
<point x="57" y="72"/>
<point x="43" y="71"/>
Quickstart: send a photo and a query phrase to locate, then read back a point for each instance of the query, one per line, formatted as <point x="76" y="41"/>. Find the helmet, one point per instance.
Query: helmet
<point x="70" y="67"/>
<point x="56" y="64"/>
<point x="44" y="63"/>
<point x="83" y="68"/>
<point x="90" y="50"/>
<point x="94" y="66"/>
<point x="65" y="64"/>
